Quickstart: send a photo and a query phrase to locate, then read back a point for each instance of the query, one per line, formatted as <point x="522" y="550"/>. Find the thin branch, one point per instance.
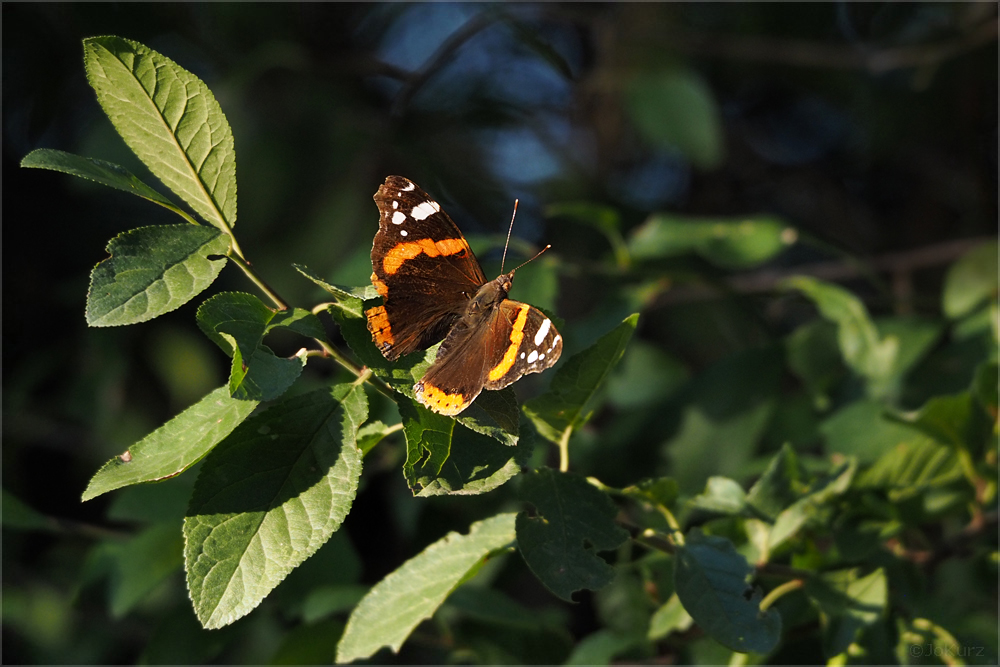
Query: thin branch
<point x="768" y="279"/>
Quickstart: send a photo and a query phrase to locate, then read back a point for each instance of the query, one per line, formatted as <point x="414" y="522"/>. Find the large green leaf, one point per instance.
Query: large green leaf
<point x="171" y="120"/>
<point x="394" y="606"/>
<point x="237" y="323"/>
<point x="153" y="270"/>
<point x="847" y="602"/>
<point x="572" y="522"/>
<point x="870" y="355"/>
<point x="268" y="497"/>
<point x="445" y="457"/>
<point x="863" y="429"/>
<point x="911" y="467"/>
<point x="494" y="413"/>
<point x="970" y="281"/>
<point x="730" y="244"/>
<point x="676" y="109"/>
<point x="571" y="399"/>
<point x="92" y="169"/>
<point x="175" y="446"/>
<point x="711" y="581"/>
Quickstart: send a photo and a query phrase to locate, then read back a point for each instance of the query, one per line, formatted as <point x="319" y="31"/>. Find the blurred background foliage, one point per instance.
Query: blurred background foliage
<point x="855" y="143"/>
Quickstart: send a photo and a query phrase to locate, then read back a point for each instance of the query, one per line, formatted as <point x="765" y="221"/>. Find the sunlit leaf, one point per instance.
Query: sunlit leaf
<point x="175" y="446"/>
<point x="268" y="497"/>
<point x="730" y="244"/>
<point x="171" y="120"/>
<point x="394" y="606"/>
<point x="971" y="280"/>
<point x="153" y="270"/>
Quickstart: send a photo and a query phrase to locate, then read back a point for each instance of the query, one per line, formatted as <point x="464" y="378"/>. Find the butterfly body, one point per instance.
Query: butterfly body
<point x="433" y="289"/>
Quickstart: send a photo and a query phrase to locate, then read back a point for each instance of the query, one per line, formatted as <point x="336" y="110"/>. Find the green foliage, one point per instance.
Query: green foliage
<point x="153" y="270"/>
<point x="572" y="521"/>
<point x="393" y="608"/>
<point x="675" y="109"/>
<point x="268" y="497"/>
<point x="794" y="485"/>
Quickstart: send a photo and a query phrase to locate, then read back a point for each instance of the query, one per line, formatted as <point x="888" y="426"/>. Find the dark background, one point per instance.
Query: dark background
<point x="872" y="128"/>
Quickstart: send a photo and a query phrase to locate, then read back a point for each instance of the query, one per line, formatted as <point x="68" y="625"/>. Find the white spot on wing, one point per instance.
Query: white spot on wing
<point x="409" y="186"/>
<point x="522" y="355"/>
<point x="541" y="356"/>
<point x="425" y="210"/>
<point x="542" y="330"/>
<point x="532" y="356"/>
<point x="395" y="204"/>
<point x="402" y="232"/>
<point x="398" y="218"/>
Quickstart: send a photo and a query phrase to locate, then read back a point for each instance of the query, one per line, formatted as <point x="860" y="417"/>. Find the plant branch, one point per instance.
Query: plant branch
<point x="802" y="53"/>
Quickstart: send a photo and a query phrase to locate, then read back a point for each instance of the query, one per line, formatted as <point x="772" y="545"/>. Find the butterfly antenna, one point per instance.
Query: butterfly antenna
<point x="535" y="257"/>
<point x="509" y="230"/>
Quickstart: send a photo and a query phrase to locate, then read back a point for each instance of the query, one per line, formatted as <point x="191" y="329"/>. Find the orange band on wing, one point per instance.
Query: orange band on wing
<point x="510" y="355"/>
<point x="403" y="252"/>
<point x="378" y="324"/>
<point x="440" y="401"/>
<point x="380" y="286"/>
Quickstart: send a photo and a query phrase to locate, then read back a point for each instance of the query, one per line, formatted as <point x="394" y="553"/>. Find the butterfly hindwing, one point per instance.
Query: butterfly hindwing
<point x="433" y="289"/>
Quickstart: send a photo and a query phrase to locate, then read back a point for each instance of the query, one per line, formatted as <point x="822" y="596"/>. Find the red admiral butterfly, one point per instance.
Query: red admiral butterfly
<point x="433" y="289"/>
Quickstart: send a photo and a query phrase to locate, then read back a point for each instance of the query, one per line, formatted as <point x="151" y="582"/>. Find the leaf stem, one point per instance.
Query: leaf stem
<point x="237" y="256"/>
<point x="778" y="592"/>
<point x="564" y="449"/>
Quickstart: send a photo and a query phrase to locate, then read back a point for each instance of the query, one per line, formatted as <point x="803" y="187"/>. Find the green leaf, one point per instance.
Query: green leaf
<point x="175" y="446"/>
<point x="237" y="323"/>
<point x="986" y="388"/>
<point x="661" y="491"/>
<point x="572" y="522"/>
<point x="813" y="354"/>
<point x="373" y="433"/>
<point x="675" y="109"/>
<point x="571" y="399"/>
<point x="444" y="457"/>
<point x="911" y="467"/>
<point x="153" y="270"/>
<point x="970" y="281"/>
<point x="668" y="618"/>
<point x="356" y="294"/>
<point x="142" y="563"/>
<point x="494" y="413"/>
<point x="781" y="484"/>
<point x="268" y="497"/>
<point x="171" y="120"/>
<point x="398" y="603"/>
<point x="711" y="581"/>
<point x="92" y="169"/>
<point x="870" y="355"/>
<point x="947" y="419"/>
<point x="721" y="496"/>
<point x="863" y="429"/>
<point x="809" y="508"/>
<point x="848" y="602"/>
<point x="729" y="244"/>
<point x="601" y="648"/>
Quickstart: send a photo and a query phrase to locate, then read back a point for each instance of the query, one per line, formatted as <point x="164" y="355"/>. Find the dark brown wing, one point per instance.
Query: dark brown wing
<point x="515" y="339"/>
<point x="423" y="268"/>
